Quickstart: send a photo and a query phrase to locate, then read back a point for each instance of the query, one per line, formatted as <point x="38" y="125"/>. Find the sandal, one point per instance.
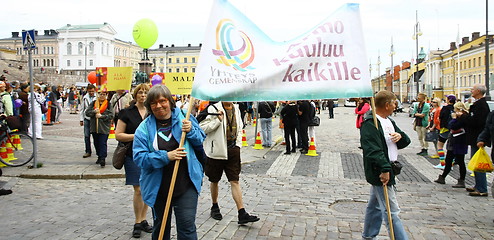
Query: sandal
<point x="146" y="227"/>
<point x="136" y="233"/>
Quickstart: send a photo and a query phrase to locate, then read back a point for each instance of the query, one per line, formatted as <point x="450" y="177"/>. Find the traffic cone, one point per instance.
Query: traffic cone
<point x="48" y="115"/>
<point x="112" y="132"/>
<point x="244" y="139"/>
<point x="258" y="144"/>
<point x="3" y="154"/>
<point x="254" y="122"/>
<point x="10" y="152"/>
<point x="17" y="142"/>
<point x="312" y="149"/>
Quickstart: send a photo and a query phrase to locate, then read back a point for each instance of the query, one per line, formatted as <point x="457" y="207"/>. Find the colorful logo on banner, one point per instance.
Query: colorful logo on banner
<point x="230" y="50"/>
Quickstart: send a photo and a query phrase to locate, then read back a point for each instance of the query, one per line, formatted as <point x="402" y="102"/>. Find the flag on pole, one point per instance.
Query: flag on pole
<point x="239" y="62"/>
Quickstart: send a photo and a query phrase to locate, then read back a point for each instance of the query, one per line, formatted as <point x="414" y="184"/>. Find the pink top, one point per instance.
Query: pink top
<point x="360" y="114"/>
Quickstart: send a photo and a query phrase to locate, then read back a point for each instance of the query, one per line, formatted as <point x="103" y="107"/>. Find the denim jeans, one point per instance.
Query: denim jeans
<point x="266" y="128"/>
<point x="480" y="177"/>
<point x="376" y="212"/>
<point x="185" y="208"/>
<point x="87" y="135"/>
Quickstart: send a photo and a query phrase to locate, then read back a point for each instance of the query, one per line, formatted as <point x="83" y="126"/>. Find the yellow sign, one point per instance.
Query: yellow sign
<point x="179" y="83"/>
<point x="119" y="78"/>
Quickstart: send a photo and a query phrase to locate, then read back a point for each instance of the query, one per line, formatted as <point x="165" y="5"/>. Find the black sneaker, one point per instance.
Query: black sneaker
<point x="146" y="227"/>
<point x="5" y="192"/>
<point x="215" y="214"/>
<point x="287" y="153"/>
<point x="246" y="218"/>
<point x="136" y="233"/>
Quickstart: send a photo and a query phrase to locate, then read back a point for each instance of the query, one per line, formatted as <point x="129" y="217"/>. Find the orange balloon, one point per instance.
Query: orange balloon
<point x="91" y="77"/>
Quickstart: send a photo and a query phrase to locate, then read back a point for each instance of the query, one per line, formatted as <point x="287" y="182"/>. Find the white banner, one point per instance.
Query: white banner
<point x="239" y="62"/>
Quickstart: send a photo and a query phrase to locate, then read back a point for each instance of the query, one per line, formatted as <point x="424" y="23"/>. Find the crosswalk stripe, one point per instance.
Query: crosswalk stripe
<point x="330" y="165"/>
<point x="283" y="165"/>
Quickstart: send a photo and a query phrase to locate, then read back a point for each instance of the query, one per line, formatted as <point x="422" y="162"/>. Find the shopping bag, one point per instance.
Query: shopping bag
<point x="480" y="162"/>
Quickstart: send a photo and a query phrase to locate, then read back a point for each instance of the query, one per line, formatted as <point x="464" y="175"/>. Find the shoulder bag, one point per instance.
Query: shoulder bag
<point x="119" y="155"/>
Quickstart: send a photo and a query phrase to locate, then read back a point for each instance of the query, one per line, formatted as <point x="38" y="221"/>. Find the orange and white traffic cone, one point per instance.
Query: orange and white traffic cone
<point x="312" y="149"/>
<point x="244" y="139"/>
<point x="258" y="144"/>
<point x="112" y="132"/>
<point x="3" y="154"/>
<point x="254" y="122"/>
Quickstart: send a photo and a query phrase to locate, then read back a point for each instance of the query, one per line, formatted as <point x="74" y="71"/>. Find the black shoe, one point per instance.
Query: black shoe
<point x="304" y="151"/>
<point x="136" y="233"/>
<point x="246" y="218"/>
<point x="102" y="162"/>
<point x="294" y="150"/>
<point x="86" y="155"/>
<point x="146" y="227"/>
<point x="215" y="214"/>
<point x="287" y="153"/>
<point x="98" y="161"/>
<point x="478" y="194"/>
<point x="5" y="192"/>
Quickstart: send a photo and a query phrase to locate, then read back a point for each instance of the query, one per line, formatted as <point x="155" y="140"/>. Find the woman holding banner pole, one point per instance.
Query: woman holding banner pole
<point x="157" y="152"/>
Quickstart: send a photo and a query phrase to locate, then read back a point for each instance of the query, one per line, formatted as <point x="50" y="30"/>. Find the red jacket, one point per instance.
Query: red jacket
<point x="360" y="114"/>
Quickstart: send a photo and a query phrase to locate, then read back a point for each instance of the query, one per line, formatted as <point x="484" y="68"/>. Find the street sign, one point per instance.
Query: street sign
<point x="28" y="39"/>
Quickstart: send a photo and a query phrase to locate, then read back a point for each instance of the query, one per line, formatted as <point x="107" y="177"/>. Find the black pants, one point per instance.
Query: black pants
<point x="290" y="134"/>
<point x="331" y="113"/>
<point x="459" y="160"/>
<point x="304" y="135"/>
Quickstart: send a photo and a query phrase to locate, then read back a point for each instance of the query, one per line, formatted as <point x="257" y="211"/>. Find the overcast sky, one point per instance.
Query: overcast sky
<point x="183" y="21"/>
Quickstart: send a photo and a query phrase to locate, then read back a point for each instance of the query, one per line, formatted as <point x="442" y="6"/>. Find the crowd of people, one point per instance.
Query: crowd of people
<point x="152" y="121"/>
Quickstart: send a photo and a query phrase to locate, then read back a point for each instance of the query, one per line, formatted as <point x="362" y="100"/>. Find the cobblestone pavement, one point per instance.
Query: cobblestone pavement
<point x="296" y="196"/>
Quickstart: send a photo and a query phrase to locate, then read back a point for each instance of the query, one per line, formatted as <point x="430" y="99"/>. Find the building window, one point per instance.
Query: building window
<point x="178" y="70"/>
<point x="161" y="60"/>
<point x="102" y="48"/>
<point x="178" y="60"/>
<point x="69" y="48"/>
<point x="52" y="63"/>
<point x="193" y="70"/>
<point x="107" y="49"/>
<point x="44" y="62"/>
<point x="68" y="63"/>
<point x="193" y="60"/>
<point x="169" y="60"/>
<point x="91" y="62"/>
<point x="80" y="47"/>
<point x="185" y="69"/>
<point x="185" y="60"/>
<point x="91" y="48"/>
<point x="474" y="62"/>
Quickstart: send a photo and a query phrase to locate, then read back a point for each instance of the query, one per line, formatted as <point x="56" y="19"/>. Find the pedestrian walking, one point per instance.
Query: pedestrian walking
<point x="24" y="109"/>
<point x="304" y="109"/>
<point x="362" y="108"/>
<point x="457" y="145"/>
<point x="85" y="121"/>
<point x="223" y="144"/>
<point x="444" y="119"/>
<point x="266" y="110"/>
<point x="128" y="120"/>
<point x="380" y="148"/>
<point x="289" y="115"/>
<point x="100" y="113"/>
<point x="474" y="126"/>
<point x="155" y="150"/>
<point x="36" y="108"/>
<point x="57" y="92"/>
<point x="421" y="114"/>
<point x="330" y="105"/>
<point x="73" y="100"/>
<point x="434" y="123"/>
<point x="120" y="100"/>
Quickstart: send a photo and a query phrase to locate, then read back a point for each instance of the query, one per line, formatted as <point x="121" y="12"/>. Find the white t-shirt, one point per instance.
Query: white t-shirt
<point x="388" y="128"/>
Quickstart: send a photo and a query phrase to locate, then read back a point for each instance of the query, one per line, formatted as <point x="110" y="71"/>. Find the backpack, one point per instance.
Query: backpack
<point x="204" y="113"/>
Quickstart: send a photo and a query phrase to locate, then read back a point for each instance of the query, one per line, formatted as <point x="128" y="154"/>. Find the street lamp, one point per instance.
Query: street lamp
<point x="487" y="95"/>
<point x="391" y="72"/>
<point x="379" y="72"/>
<point x="416" y="33"/>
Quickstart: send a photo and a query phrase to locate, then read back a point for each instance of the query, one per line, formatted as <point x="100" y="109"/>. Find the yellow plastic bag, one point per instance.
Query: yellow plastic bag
<point x="480" y="162"/>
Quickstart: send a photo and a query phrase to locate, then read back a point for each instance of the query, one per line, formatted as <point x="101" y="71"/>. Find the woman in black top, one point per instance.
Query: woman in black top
<point x="289" y="114"/>
<point x="128" y="121"/>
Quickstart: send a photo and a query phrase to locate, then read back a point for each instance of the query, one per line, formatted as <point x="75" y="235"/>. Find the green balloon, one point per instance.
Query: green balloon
<point x="145" y="33"/>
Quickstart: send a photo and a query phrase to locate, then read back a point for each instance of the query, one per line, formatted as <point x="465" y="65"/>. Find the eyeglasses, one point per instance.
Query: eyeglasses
<point x="162" y="102"/>
<point x="434" y="102"/>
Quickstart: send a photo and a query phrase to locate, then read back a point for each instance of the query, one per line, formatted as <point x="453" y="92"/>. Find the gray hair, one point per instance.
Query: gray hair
<point x="156" y="92"/>
<point x="481" y="87"/>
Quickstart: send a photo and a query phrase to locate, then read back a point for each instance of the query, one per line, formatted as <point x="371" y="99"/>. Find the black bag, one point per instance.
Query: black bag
<point x="431" y="136"/>
<point x="119" y="155"/>
<point x="204" y="113"/>
<point x="396" y="167"/>
<point x="14" y="122"/>
<point x="315" y="121"/>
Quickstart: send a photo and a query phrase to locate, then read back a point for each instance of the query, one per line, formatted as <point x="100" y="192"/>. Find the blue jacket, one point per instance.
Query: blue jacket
<point x="151" y="160"/>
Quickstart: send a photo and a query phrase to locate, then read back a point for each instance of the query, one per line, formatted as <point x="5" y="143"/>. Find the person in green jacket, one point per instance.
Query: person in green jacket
<point x="421" y="114"/>
<point x="380" y="148"/>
